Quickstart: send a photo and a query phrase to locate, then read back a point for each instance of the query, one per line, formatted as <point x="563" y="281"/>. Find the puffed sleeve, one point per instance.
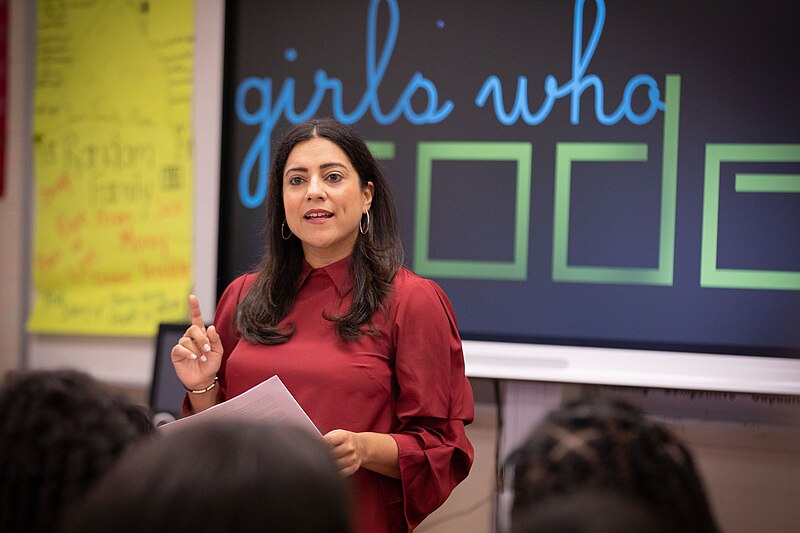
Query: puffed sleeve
<point x="435" y="399"/>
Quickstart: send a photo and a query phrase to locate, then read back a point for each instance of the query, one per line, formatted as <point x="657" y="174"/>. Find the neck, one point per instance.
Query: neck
<point x="319" y="261"/>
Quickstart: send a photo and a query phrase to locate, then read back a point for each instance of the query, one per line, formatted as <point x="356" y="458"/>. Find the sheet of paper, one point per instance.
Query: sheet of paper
<point x="269" y="401"/>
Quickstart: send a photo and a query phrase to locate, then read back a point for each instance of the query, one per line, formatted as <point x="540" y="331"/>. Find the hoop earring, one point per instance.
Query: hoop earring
<point x="361" y="228"/>
<point x="285" y="237"/>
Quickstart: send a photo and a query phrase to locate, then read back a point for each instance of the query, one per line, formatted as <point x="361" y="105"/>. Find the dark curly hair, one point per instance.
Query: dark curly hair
<point x="59" y="431"/>
<point x="375" y="260"/>
<point x="610" y="446"/>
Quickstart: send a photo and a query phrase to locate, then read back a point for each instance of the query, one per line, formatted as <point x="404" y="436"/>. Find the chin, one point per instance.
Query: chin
<point x="328" y="247"/>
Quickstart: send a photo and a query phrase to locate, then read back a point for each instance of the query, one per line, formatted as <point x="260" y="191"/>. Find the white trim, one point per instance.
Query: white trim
<point x="207" y="127"/>
<point x="636" y="368"/>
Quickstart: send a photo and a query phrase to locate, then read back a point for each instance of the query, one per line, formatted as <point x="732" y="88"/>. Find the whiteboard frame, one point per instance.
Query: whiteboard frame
<point x="635" y="368"/>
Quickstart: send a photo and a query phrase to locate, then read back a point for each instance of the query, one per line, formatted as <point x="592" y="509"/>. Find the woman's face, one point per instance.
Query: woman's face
<point x="323" y="200"/>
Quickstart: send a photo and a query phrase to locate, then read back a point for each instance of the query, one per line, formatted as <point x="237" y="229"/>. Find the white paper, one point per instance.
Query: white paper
<point x="269" y="401"/>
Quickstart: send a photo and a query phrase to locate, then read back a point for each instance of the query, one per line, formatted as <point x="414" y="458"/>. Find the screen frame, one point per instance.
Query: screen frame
<point x="164" y="381"/>
<point x="669" y="367"/>
<point x="632" y="367"/>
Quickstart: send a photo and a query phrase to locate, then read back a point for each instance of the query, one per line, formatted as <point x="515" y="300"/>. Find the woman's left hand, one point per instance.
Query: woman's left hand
<point x="347" y="449"/>
<point x="373" y="451"/>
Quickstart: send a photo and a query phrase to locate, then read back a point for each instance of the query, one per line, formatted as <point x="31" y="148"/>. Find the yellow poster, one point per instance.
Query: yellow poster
<point x="113" y="165"/>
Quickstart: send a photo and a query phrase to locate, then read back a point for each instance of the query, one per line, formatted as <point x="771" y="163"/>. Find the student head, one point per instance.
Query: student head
<point x="220" y="475"/>
<point x="590" y="511"/>
<point x="610" y="446"/>
<point x="59" y="432"/>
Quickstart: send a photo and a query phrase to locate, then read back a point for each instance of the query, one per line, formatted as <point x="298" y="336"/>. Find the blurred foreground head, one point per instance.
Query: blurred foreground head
<point x="59" y="431"/>
<point x="590" y="511"/>
<point x="220" y="475"/>
<point x="610" y="447"/>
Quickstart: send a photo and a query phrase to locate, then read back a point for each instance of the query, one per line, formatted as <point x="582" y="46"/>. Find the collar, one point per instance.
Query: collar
<point x="338" y="272"/>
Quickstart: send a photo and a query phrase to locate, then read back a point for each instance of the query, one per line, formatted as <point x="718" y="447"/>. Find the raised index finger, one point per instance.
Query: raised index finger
<point x="194" y="310"/>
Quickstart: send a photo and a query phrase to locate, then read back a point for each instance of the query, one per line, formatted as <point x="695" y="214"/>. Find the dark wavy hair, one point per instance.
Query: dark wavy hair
<point x="218" y="476"/>
<point x="60" y="431"/>
<point x="376" y="257"/>
<point x="610" y="446"/>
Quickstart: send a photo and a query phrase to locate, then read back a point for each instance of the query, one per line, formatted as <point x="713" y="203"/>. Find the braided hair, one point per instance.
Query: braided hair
<point x="610" y="446"/>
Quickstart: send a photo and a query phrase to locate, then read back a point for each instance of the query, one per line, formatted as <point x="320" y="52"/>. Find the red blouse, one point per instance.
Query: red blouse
<point x="408" y="382"/>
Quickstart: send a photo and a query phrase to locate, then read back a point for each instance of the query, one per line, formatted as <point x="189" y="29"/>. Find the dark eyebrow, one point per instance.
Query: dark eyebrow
<point x="294" y="169"/>
<point x="323" y="166"/>
<point x="333" y="164"/>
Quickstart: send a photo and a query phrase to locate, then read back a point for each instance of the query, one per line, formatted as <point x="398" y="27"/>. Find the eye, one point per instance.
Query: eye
<point x="295" y="180"/>
<point x="334" y="177"/>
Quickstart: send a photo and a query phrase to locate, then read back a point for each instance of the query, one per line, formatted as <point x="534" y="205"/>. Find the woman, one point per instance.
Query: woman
<point x="370" y="350"/>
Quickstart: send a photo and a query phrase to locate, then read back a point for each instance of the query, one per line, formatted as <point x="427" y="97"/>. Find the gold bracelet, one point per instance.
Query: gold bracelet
<point x="202" y="391"/>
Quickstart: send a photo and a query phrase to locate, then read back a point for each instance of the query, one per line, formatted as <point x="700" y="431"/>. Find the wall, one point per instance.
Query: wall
<point x="14" y="200"/>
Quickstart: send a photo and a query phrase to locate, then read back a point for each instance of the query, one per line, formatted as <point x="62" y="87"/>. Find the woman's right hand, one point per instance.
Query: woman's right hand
<point x="198" y="354"/>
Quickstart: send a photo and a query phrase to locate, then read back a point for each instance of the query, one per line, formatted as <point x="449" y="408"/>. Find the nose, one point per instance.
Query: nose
<point x="316" y="188"/>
